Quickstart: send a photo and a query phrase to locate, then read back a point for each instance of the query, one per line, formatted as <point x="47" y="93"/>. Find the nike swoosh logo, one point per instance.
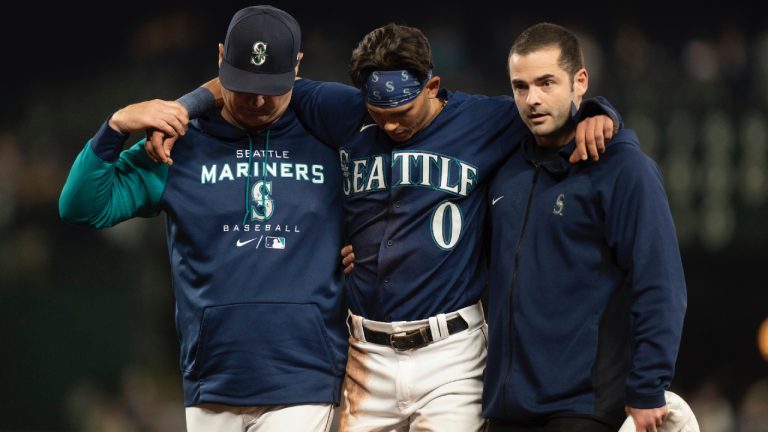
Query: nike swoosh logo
<point x="367" y="126"/>
<point x="241" y="244"/>
<point x="495" y="200"/>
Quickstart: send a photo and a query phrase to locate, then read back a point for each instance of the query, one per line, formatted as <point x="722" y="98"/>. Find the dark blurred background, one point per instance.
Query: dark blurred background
<point x="87" y="341"/>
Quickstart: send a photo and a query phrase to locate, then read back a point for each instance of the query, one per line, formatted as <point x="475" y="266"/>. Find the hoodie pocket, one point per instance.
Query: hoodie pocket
<point x="253" y="346"/>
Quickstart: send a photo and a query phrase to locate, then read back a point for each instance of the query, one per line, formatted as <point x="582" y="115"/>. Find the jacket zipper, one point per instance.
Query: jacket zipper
<point x="514" y="280"/>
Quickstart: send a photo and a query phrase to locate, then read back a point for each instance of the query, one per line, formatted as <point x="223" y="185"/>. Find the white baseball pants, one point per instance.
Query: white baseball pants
<point x="224" y="418"/>
<point x="435" y="388"/>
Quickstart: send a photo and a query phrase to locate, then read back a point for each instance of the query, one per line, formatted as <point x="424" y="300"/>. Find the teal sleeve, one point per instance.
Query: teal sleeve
<point x="102" y="193"/>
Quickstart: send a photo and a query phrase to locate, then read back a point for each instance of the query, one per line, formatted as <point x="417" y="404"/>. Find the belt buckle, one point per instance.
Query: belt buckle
<point x="396" y="340"/>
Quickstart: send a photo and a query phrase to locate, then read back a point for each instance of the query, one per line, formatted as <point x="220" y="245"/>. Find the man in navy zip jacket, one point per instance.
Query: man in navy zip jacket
<point x="253" y="208"/>
<point x="587" y="293"/>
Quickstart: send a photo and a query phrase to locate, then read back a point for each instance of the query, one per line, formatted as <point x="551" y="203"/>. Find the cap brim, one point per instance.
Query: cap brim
<point x="241" y="81"/>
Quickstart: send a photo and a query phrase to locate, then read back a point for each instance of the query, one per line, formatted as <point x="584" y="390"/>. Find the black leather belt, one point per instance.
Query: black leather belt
<point x="412" y="339"/>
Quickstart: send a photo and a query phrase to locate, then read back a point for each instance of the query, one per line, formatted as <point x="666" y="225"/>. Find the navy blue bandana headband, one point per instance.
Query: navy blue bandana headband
<point x="389" y="89"/>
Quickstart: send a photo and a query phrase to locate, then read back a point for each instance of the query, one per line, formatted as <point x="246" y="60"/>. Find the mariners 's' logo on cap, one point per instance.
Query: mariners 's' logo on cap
<point x="259" y="53"/>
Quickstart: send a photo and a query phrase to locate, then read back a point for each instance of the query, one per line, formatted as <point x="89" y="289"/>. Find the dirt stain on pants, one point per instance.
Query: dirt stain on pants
<point x="354" y="385"/>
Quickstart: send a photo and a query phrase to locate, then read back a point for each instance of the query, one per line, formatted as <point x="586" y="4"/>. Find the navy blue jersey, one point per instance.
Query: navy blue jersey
<point x="414" y="210"/>
<point x="254" y="227"/>
<point x="587" y="291"/>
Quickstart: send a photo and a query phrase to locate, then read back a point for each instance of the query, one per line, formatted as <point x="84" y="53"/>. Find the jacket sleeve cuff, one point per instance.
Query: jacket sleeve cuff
<point x="197" y="102"/>
<point x="108" y="143"/>
<point x="655" y="400"/>
<point x="596" y="106"/>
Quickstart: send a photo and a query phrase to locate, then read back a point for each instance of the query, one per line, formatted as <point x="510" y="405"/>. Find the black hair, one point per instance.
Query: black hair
<point x="391" y="47"/>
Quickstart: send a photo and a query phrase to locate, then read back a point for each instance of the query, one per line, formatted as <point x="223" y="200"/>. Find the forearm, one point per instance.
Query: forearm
<point x="659" y="312"/>
<point x="659" y="303"/>
<point x="202" y="99"/>
<point x="599" y="105"/>
<point x="103" y="190"/>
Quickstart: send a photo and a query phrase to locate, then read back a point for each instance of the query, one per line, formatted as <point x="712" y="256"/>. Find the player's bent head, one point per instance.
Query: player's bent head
<point x="391" y="47"/>
<point x="400" y="104"/>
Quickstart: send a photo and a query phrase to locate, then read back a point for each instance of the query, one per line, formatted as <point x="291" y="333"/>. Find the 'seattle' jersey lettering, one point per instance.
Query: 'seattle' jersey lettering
<point x="409" y="168"/>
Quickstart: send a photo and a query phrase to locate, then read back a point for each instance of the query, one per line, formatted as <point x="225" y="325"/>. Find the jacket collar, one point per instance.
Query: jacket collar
<point x="554" y="161"/>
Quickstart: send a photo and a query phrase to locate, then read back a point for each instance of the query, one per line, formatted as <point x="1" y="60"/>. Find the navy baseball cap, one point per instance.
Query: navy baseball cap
<point x="261" y="51"/>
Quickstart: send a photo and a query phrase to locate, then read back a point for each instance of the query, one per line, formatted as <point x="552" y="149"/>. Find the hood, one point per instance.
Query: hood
<point x="555" y="161"/>
<point x="214" y="124"/>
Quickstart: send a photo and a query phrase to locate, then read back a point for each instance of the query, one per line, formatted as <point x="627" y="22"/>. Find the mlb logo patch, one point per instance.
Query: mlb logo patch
<point x="275" y="243"/>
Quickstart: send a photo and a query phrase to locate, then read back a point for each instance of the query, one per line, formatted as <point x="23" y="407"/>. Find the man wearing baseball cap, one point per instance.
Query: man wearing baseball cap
<point x="253" y="208"/>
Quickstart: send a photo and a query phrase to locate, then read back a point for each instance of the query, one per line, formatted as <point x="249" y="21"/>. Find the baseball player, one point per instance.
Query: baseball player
<point x="587" y="293"/>
<point x="253" y="206"/>
<point x="415" y="161"/>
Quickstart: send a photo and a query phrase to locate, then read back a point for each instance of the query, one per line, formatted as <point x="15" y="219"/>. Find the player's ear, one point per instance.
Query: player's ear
<point x="432" y="87"/>
<point x="298" y="63"/>
<point x="581" y="82"/>
<point x="221" y="52"/>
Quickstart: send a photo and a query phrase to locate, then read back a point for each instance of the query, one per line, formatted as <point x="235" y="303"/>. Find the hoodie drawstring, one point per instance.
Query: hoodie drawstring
<point x="248" y="180"/>
<point x="264" y="172"/>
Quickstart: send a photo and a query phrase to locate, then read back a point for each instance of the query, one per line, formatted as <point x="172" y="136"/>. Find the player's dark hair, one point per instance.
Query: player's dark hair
<point x="391" y="47"/>
<point x="543" y="35"/>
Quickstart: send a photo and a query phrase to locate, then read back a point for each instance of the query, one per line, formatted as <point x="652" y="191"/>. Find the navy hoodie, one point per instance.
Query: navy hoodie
<point x="587" y="293"/>
<point x="254" y="226"/>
